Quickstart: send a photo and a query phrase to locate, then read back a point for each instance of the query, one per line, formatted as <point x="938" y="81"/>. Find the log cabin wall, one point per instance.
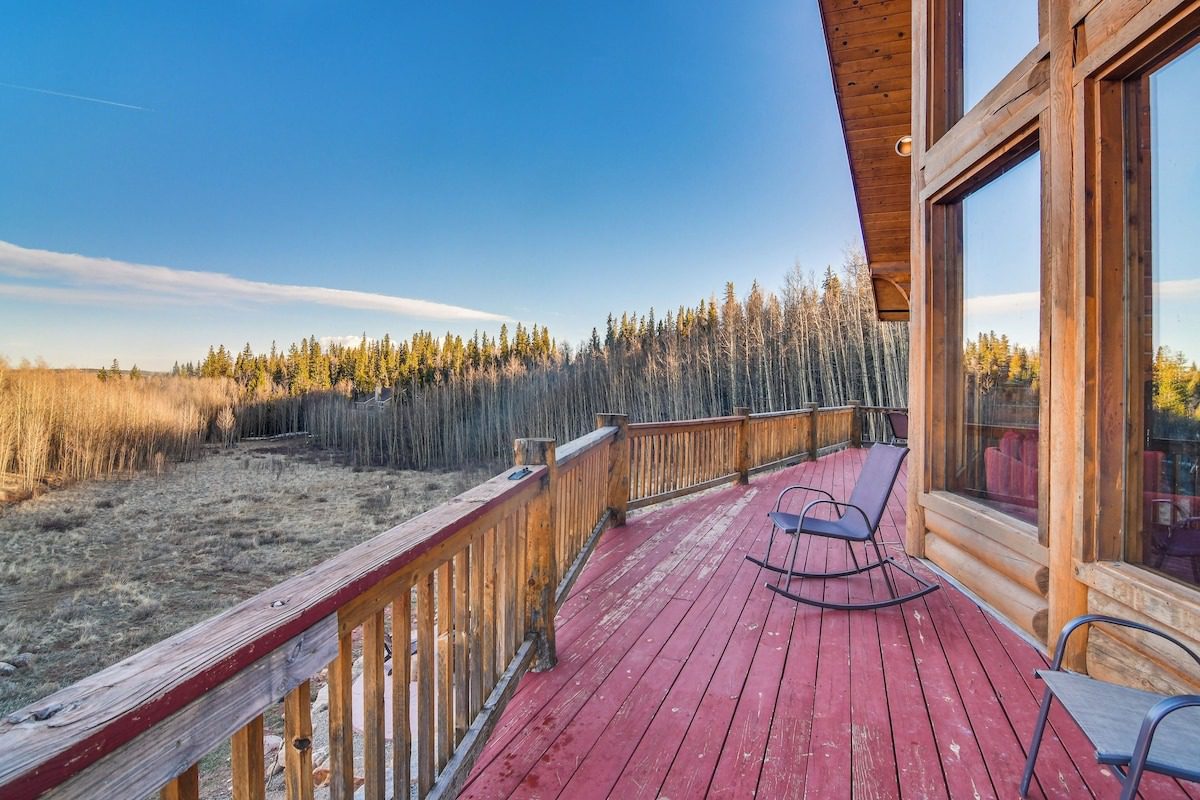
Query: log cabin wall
<point x="1071" y="561"/>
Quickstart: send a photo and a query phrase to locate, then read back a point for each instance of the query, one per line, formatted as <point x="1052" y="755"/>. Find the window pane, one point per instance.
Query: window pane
<point x="1002" y="257"/>
<point x="1170" y="380"/>
<point x="995" y="37"/>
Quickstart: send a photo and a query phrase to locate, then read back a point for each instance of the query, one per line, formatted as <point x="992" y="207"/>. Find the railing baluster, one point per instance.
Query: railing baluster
<point x="341" y="724"/>
<point x="186" y="786"/>
<point x="516" y="555"/>
<point x="297" y="743"/>
<point x="477" y="692"/>
<point x="445" y="664"/>
<point x="426" y="729"/>
<point x="487" y="642"/>
<point x="462" y="648"/>
<point x="401" y="681"/>
<point x="520" y="579"/>
<point x="502" y="606"/>
<point x="246" y="760"/>
<point x="374" y="762"/>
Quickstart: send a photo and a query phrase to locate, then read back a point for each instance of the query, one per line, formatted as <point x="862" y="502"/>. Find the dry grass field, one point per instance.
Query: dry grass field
<point x="96" y="571"/>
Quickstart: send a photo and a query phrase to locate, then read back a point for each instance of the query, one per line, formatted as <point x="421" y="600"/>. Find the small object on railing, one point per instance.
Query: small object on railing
<point x="278" y="603"/>
<point x="521" y="473"/>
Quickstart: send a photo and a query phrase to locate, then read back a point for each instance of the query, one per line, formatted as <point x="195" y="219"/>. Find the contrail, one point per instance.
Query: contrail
<point x="194" y="287"/>
<point x="72" y="96"/>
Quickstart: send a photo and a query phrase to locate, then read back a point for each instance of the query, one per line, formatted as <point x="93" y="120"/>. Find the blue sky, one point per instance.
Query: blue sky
<point x="539" y="162"/>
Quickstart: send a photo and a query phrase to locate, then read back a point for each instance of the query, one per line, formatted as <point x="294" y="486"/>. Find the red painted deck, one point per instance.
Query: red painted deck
<point x="680" y="676"/>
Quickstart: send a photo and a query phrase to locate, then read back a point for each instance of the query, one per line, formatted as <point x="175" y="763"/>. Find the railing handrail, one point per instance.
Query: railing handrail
<point x="791" y="412"/>
<point x="576" y="448"/>
<point x="59" y="736"/>
<point x="651" y="428"/>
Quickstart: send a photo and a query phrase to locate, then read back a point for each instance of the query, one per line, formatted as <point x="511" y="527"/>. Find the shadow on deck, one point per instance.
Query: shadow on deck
<point x="680" y="676"/>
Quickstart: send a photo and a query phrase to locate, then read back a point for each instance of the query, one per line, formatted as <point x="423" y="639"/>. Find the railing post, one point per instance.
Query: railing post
<point x="542" y="542"/>
<point x="856" y="423"/>
<point x="742" y="446"/>
<point x="814" y="414"/>
<point x="618" y="465"/>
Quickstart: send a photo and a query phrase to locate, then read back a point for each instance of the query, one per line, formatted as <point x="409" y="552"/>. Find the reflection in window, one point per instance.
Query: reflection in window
<point x="1001" y="285"/>
<point x="1168" y="343"/>
<point x="995" y="37"/>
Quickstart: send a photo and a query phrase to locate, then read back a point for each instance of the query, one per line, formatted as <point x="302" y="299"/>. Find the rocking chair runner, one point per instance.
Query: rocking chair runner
<point x="857" y="521"/>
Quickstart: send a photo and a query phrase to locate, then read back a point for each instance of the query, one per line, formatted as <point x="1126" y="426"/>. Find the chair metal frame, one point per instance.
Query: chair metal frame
<point x="881" y="561"/>
<point x="1129" y="775"/>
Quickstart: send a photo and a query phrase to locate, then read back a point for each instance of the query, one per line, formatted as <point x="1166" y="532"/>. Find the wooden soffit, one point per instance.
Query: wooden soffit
<point x="870" y="56"/>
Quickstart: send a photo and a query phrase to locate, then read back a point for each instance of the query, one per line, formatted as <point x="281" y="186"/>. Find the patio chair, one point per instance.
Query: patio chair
<point x="1133" y="731"/>
<point x="857" y="521"/>
<point x="898" y="422"/>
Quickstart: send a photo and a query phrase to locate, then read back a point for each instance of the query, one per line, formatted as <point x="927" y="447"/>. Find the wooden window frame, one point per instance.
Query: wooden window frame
<point x="945" y="70"/>
<point x="945" y="269"/>
<point x="1117" y="215"/>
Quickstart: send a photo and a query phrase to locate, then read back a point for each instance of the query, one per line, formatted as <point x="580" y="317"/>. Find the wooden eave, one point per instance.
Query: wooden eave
<point x="870" y="58"/>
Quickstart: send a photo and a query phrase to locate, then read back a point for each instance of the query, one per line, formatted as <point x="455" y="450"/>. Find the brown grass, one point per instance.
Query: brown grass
<point x="91" y="573"/>
<point x="63" y="426"/>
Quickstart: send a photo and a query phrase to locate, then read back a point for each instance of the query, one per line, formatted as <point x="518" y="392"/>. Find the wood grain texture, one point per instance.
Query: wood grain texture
<point x="341" y="722"/>
<point x="108" y="709"/>
<point x="185" y="786"/>
<point x="426" y="719"/>
<point x="870" y="58"/>
<point x="374" y="738"/>
<point x="246" y="762"/>
<point x="541" y="536"/>
<point x="168" y="749"/>
<point x="679" y="677"/>
<point x="297" y="743"/>
<point x="401" y="679"/>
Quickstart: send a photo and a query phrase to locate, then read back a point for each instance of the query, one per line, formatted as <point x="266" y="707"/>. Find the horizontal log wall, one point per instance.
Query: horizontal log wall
<point x="1131" y="657"/>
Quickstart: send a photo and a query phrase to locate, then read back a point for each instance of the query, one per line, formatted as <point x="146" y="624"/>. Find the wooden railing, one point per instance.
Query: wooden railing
<point x="669" y="459"/>
<point x="474" y="583"/>
<point x="875" y="427"/>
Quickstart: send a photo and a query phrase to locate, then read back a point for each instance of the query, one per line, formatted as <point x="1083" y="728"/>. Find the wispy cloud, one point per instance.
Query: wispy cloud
<point x="1002" y="303"/>
<point x="1017" y="302"/>
<point x="138" y="282"/>
<point x="344" y="341"/>
<point x="1186" y="289"/>
<point x="85" y="98"/>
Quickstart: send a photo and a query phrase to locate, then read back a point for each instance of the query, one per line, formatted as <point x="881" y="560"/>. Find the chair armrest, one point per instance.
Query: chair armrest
<point x="779" y="502"/>
<point x="1090" y="619"/>
<point x="839" y="507"/>
<point x="1157" y="713"/>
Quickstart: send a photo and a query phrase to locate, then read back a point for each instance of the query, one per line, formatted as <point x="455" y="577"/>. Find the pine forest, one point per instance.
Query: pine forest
<point x="444" y="401"/>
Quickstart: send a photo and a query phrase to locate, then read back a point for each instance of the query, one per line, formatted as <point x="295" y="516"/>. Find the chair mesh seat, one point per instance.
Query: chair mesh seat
<point x="844" y="528"/>
<point x="1111" y="716"/>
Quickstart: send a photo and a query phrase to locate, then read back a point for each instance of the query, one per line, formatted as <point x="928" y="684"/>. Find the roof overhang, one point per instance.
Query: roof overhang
<point x="870" y="56"/>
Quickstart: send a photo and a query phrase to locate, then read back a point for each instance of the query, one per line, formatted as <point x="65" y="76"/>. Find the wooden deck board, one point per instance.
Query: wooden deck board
<point x="680" y="675"/>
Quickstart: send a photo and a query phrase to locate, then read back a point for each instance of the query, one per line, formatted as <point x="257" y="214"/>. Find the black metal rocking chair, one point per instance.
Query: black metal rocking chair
<point x="857" y="521"/>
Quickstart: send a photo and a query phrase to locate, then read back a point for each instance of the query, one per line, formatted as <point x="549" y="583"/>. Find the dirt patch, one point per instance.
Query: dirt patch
<point x="94" y="572"/>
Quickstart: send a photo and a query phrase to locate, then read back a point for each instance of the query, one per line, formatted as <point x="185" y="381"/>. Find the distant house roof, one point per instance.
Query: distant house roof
<point x="870" y="55"/>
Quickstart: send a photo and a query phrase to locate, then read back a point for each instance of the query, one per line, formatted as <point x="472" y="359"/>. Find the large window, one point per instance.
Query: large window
<point x="996" y="391"/>
<point x="1163" y="251"/>
<point x="974" y="44"/>
<point x="996" y="35"/>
